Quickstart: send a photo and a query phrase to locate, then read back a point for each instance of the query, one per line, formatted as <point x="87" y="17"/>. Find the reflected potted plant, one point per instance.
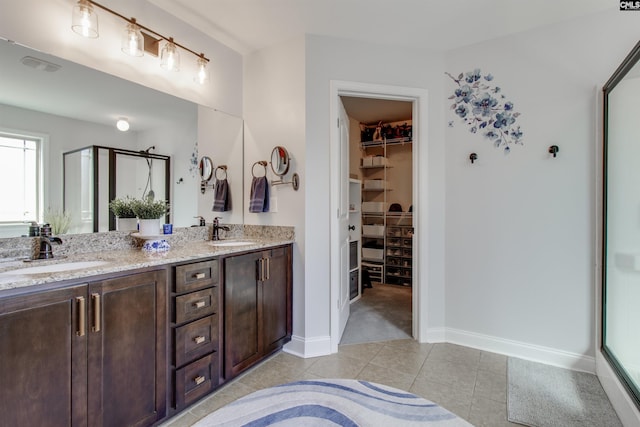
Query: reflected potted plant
<point x="149" y="212"/>
<point x="122" y="208"/>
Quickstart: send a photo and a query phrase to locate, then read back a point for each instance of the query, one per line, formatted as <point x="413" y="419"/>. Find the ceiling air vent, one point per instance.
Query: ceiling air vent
<point x="40" y="64"/>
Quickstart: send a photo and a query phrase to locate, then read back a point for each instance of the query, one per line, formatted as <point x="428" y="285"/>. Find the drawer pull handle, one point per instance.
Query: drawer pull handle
<point x="199" y="304"/>
<point x="199" y="380"/>
<point x="95" y="298"/>
<point x="199" y="339"/>
<point x="198" y="276"/>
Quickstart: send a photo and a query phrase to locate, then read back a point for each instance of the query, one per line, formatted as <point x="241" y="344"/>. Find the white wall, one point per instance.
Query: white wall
<point x="274" y="99"/>
<point x="520" y="227"/>
<point x="336" y="59"/>
<point x="46" y="26"/>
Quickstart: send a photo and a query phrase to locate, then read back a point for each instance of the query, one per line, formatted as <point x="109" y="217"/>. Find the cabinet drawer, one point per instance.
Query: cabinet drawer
<point x="196" y="380"/>
<point x="196" y="339"/>
<point x="195" y="276"/>
<point x="196" y="304"/>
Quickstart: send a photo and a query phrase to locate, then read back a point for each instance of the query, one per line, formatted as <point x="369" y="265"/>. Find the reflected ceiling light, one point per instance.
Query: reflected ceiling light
<point x="170" y="58"/>
<point x="122" y="124"/>
<point x="202" y="74"/>
<point x="137" y="39"/>
<point x="132" y="39"/>
<point x="84" y="20"/>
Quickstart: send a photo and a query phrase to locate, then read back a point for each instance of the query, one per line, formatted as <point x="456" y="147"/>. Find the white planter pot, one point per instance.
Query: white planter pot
<point x="126" y="224"/>
<point x="149" y="227"/>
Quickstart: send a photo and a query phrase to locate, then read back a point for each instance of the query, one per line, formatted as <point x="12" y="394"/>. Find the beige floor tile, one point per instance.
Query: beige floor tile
<point x="490" y="385"/>
<point x="227" y="394"/>
<point x="294" y="363"/>
<point x="455" y="353"/>
<point x="409" y="345"/>
<point x="364" y="352"/>
<point x="456" y="374"/>
<point x="408" y="362"/>
<point x="185" y="419"/>
<point x="387" y="376"/>
<point x="448" y="396"/>
<point x="337" y="366"/>
<point x="488" y="413"/>
<point x="266" y="375"/>
<point x="493" y="362"/>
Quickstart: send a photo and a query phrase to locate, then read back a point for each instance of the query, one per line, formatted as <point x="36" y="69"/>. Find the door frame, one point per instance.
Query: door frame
<point x="420" y="285"/>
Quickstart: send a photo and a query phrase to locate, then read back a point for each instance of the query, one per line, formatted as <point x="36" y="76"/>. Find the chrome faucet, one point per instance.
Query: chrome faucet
<point x="45" y="246"/>
<point x="217" y="227"/>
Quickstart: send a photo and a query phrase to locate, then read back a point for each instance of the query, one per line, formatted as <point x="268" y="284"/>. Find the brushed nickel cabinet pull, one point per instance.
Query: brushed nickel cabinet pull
<point x="199" y="339"/>
<point x="199" y="304"/>
<point x="198" y="276"/>
<point x="199" y="380"/>
<point x="95" y="299"/>
<point x="82" y="317"/>
<point x="268" y="268"/>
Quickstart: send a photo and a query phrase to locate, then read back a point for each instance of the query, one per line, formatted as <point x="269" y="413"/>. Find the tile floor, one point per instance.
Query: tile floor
<point x="468" y="382"/>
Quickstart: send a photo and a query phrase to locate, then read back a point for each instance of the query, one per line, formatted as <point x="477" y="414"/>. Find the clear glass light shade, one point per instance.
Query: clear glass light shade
<point x="84" y="20"/>
<point x="202" y="73"/>
<point x="132" y="40"/>
<point x="169" y="57"/>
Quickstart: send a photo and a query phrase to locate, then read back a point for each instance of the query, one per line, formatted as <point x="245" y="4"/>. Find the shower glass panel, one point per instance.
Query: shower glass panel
<point x="621" y="238"/>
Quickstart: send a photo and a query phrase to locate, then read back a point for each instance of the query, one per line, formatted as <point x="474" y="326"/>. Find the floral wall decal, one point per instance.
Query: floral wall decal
<point x="193" y="161"/>
<point x="485" y="109"/>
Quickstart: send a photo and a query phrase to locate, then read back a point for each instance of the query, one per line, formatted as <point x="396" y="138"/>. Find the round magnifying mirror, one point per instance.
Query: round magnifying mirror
<point x="280" y="160"/>
<point x="206" y="168"/>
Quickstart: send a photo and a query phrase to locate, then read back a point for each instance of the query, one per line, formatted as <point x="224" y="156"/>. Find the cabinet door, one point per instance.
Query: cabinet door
<point x="127" y="350"/>
<point x="241" y="312"/>
<point x="276" y="300"/>
<point x="43" y="359"/>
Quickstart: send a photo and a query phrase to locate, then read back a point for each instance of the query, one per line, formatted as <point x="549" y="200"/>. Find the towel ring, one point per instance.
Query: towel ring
<point x="262" y="163"/>
<point x="224" y="169"/>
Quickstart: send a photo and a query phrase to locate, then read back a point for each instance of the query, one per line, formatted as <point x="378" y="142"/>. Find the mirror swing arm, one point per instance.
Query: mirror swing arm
<point x="280" y="163"/>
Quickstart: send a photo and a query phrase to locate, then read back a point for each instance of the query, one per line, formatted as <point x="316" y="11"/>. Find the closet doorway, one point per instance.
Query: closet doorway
<point x="381" y="219"/>
<point x="422" y="205"/>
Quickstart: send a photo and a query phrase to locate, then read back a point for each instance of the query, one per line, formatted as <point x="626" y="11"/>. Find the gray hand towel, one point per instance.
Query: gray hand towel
<point x="259" y="198"/>
<point x="222" y="196"/>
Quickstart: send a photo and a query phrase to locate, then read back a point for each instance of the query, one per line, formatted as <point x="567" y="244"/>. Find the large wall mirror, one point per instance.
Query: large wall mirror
<point x="66" y="106"/>
<point x="621" y="224"/>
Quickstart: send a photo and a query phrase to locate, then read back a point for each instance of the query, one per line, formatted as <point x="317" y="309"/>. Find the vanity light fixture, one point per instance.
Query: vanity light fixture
<point x="137" y="39"/>
<point x="132" y="39"/>
<point x="84" y="20"/>
<point x="170" y="57"/>
<point x="122" y="124"/>
<point x="202" y="75"/>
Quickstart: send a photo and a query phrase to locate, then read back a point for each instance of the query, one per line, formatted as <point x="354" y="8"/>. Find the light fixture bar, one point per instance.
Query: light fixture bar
<point x="149" y="30"/>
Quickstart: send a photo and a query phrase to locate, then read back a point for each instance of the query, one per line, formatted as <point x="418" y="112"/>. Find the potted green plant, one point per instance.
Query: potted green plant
<point x="149" y="212"/>
<point x="122" y="208"/>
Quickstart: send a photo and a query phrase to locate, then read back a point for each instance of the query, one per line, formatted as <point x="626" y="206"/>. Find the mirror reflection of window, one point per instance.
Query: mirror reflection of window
<point x="19" y="165"/>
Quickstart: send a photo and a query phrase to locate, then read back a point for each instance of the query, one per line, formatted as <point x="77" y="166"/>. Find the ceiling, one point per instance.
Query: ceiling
<point x="441" y="25"/>
<point x="371" y="111"/>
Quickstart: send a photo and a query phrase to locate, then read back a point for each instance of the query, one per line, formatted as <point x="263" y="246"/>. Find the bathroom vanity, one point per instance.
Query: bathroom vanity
<point x="141" y="337"/>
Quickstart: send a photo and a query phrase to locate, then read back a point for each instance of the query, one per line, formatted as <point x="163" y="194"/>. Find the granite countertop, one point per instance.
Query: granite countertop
<point x="119" y="260"/>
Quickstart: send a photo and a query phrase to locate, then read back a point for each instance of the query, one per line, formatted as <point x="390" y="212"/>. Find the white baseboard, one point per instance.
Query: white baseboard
<point x="435" y="335"/>
<point x="308" y="347"/>
<point x="536" y="353"/>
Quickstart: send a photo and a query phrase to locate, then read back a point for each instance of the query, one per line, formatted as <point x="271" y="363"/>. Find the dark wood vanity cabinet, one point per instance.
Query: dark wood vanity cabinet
<point x="92" y="354"/>
<point x="195" y="330"/>
<point x="257" y="306"/>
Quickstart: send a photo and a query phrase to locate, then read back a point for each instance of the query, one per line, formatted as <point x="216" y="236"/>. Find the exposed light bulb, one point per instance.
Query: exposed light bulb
<point x="202" y="75"/>
<point x="132" y="39"/>
<point x="84" y="20"/>
<point x="122" y="124"/>
<point x="169" y="57"/>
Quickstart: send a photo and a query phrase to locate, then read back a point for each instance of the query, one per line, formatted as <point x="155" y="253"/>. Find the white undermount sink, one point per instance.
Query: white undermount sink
<point x="231" y="242"/>
<point x="54" y="268"/>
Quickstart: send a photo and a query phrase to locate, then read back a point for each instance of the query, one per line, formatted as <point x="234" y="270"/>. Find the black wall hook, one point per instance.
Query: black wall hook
<point x="473" y="157"/>
<point x="554" y="150"/>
